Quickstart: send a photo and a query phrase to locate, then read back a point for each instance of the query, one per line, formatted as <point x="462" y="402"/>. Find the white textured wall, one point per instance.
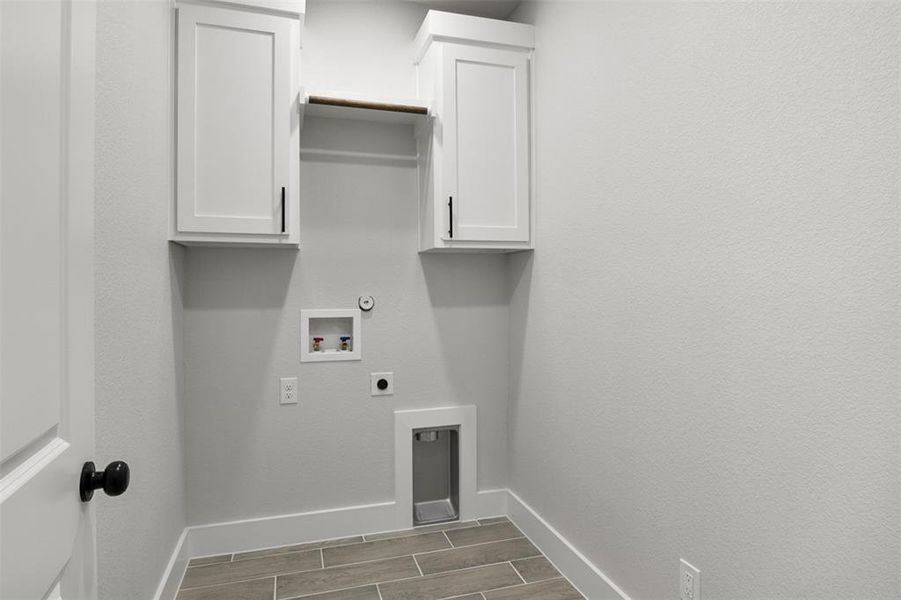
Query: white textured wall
<point x="138" y="301"/>
<point x="440" y="322"/>
<point x="705" y="343"/>
<point x="363" y="47"/>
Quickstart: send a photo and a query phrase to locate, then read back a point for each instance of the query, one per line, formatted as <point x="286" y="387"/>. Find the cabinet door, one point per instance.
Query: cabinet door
<point x="486" y="138"/>
<point x="234" y="120"/>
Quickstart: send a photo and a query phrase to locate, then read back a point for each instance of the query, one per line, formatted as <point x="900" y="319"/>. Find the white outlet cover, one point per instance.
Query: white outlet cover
<point x="287" y="390"/>
<point x="374" y="384"/>
<point x="689" y="581"/>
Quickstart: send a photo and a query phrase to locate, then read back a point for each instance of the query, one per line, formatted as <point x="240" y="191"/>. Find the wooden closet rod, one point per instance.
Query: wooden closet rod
<point x="401" y="108"/>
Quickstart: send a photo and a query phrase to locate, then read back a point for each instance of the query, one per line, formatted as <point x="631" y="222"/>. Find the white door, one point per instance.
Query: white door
<point x="486" y="140"/>
<point x="234" y="121"/>
<point x="46" y="307"/>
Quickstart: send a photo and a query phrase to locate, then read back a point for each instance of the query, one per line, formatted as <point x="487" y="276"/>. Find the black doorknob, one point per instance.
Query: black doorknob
<point x="113" y="479"/>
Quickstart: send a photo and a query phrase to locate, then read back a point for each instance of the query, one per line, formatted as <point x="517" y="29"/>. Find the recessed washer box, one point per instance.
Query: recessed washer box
<point x="330" y="334"/>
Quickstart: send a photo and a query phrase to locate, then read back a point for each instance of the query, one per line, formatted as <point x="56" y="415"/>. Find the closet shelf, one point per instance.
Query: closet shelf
<point x="337" y="107"/>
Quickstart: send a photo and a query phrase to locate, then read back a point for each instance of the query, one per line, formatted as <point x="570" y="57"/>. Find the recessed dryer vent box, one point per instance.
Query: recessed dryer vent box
<point x="330" y="334"/>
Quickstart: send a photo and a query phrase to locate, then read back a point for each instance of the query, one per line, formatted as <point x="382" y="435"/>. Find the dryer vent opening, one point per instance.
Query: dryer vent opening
<point x="436" y="475"/>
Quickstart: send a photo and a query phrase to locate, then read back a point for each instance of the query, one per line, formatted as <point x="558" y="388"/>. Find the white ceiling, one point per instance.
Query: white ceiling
<point x="493" y="9"/>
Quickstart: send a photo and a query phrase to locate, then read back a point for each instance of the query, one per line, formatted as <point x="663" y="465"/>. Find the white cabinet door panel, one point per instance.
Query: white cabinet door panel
<point x="486" y="135"/>
<point x="234" y="120"/>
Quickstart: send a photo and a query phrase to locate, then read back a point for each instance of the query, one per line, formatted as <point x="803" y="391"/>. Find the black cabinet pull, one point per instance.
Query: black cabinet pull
<point x="450" y="216"/>
<point x="283" y="209"/>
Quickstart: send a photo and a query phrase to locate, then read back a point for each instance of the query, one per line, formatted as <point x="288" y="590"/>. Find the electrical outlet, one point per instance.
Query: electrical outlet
<point x="689" y="581"/>
<point x="287" y="390"/>
<point x="381" y="384"/>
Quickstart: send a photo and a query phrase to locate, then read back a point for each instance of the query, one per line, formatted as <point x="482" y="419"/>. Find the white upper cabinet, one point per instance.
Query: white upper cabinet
<point x="486" y="137"/>
<point x="237" y="145"/>
<point x="475" y="159"/>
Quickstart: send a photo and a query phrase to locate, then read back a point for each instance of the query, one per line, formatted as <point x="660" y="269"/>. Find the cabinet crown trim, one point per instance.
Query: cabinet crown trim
<point x="452" y="27"/>
<point x="292" y="7"/>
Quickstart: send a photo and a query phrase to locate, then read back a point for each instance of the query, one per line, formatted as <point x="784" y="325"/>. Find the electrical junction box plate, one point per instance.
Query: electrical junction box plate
<point x="381" y="384"/>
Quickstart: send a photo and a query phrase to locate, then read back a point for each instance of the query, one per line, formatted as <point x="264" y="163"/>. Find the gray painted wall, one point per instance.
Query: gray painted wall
<point x="440" y="322"/>
<point x="701" y="355"/>
<point x="704" y="355"/>
<point x="138" y="301"/>
<point x="361" y="46"/>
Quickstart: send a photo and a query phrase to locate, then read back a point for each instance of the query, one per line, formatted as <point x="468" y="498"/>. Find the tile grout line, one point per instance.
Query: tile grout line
<point x="321" y="559"/>
<point x="446" y="572"/>
<point x="515" y="570"/>
<point x="449" y="540"/>
<point x="402" y="533"/>
<point x="519" y="585"/>
<point x="345" y="589"/>
<point x="482" y="594"/>
<point x="557" y="576"/>
<point x="503" y="587"/>
<point x="521" y="537"/>
<point x="379" y="591"/>
<point x="353" y="587"/>
<point x="416" y="562"/>
<point x="286" y="550"/>
<point x="506" y="539"/>
<point x="274" y="552"/>
<point x="518" y="534"/>
<point x="310" y="550"/>
<point x="490" y="564"/>
<point x="212" y="585"/>
<point x="338" y="546"/>
<point x="359" y="562"/>
<point x="413" y="556"/>
<point x="379" y="583"/>
<point x="434" y="527"/>
<point x="194" y="566"/>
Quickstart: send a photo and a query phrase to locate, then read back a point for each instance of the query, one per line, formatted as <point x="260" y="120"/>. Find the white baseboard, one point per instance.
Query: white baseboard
<point x="175" y="570"/>
<point x="491" y="503"/>
<point x="284" y="530"/>
<point x="590" y="580"/>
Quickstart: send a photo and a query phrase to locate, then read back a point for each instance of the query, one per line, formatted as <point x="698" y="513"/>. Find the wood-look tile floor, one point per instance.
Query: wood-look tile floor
<point x="477" y="560"/>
